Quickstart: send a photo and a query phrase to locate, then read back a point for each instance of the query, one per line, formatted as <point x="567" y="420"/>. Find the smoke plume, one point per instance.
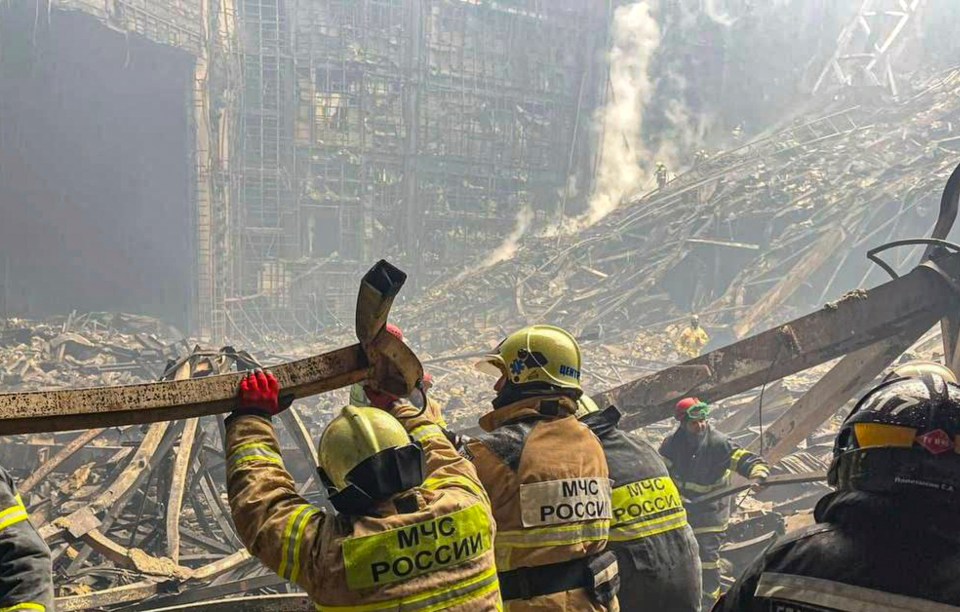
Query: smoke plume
<point x="625" y="165"/>
<point x="508" y="248"/>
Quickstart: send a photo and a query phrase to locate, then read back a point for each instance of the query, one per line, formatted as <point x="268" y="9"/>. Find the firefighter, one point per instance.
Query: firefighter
<point x="26" y="582"/>
<point x="662" y="175"/>
<point x="702" y="460"/>
<point x="886" y="538"/>
<point x="547" y="478"/>
<point x="656" y="549"/>
<point x="413" y="530"/>
<point x="692" y="339"/>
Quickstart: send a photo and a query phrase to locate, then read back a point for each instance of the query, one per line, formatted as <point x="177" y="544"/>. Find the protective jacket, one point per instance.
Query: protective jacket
<point x="429" y="548"/>
<point x="868" y="552"/>
<point x="656" y="550"/>
<point x="26" y="579"/>
<point x="703" y="465"/>
<point x="700" y="465"/>
<point x="549" y="485"/>
<point x="691" y="341"/>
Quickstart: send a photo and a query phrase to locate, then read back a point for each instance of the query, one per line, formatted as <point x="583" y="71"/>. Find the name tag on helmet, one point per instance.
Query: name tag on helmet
<point x="571" y="500"/>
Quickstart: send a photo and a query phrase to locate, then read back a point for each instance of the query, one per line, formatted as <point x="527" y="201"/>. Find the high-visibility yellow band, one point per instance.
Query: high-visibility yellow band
<point x="646" y="529"/>
<point x="297" y="543"/>
<point x="254" y="451"/>
<point x="432" y="484"/>
<point x="543" y="537"/>
<point x="644" y="500"/>
<point x="13" y="515"/>
<point x="290" y="551"/>
<point x="425" y="432"/>
<point x="25" y="606"/>
<point x="459" y="593"/>
<point x="402" y="553"/>
<point x="694" y="487"/>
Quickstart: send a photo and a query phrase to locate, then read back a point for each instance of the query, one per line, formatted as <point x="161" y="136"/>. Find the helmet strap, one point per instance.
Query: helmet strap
<point x="512" y="393"/>
<point x="377" y="478"/>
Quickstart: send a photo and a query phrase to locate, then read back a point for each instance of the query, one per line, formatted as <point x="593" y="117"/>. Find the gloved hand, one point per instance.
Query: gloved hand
<point x="760" y="472"/>
<point x="260" y="395"/>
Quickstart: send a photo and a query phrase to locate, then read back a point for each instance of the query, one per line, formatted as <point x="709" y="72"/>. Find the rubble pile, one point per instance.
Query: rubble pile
<point x="92" y="349"/>
<point x="750" y="235"/>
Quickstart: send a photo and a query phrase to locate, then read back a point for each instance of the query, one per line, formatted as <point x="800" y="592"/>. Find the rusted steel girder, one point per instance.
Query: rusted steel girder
<point x="918" y="299"/>
<point x="384" y="361"/>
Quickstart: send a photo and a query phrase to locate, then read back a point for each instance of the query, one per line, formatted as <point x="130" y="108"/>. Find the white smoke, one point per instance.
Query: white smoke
<point x="625" y="165"/>
<point x="508" y="248"/>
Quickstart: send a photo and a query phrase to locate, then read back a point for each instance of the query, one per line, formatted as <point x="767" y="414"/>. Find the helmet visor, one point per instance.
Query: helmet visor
<point x="878" y="434"/>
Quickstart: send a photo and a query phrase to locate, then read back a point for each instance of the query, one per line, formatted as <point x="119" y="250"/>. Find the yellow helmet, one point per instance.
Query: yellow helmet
<point x="366" y="455"/>
<point x="585" y="406"/>
<point x="536" y="354"/>
<point x="916" y="369"/>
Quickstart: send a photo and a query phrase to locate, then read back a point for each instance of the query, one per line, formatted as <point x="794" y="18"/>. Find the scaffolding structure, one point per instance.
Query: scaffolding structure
<point x="414" y="129"/>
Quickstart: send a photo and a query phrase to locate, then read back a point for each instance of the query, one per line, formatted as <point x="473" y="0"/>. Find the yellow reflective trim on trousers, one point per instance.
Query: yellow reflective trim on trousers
<point x="25" y="606"/>
<point x="458" y="593"/>
<point x="645" y="529"/>
<point x="289" y="550"/>
<point x="399" y="554"/>
<point x="425" y="432"/>
<point x="432" y="484"/>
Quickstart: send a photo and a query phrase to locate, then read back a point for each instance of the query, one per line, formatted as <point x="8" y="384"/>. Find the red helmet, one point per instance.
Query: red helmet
<point x="691" y="408"/>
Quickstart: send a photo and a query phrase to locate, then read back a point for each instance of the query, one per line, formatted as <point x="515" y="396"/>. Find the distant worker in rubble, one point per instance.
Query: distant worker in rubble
<point x="656" y="549"/>
<point x="662" y="175"/>
<point x="701" y="460"/>
<point x="414" y="529"/>
<point x="361" y="393"/>
<point x="692" y="339"/>
<point x="26" y="571"/>
<point x="886" y="539"/>
<point x="547" y="478"/>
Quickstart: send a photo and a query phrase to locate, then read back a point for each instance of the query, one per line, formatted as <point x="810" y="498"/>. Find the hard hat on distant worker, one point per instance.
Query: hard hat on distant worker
<point x="365" y="455"/>
<point x="691" y="409"/>
<point x="539" y="355"/>
<point x="917" y="368"/>
<point x="902" y="439"/>
<point x="585" y="406"/>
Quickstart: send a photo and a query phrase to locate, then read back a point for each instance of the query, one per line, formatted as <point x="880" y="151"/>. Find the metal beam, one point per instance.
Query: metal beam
<point x="860" y="319"/>
<point x="831" y="392"/>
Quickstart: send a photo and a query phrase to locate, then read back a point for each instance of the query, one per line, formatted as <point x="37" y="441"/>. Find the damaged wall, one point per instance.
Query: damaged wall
<point x="95" y="168"/>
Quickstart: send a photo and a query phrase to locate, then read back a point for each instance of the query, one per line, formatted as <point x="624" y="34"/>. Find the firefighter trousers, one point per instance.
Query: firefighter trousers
<point x="710" y="542"/>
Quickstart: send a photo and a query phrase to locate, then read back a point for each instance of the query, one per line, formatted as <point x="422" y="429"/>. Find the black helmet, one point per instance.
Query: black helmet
<point x="902" y="438"/>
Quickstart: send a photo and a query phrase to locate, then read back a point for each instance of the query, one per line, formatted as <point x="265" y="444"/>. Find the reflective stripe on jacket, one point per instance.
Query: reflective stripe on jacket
<point x="703" y="466"/>
<point x="26" y="582"/>
<point x="550" y="488"/>
<point x="424" y="550"/>
<point x="656" y="549"/>
<point x="869" y="552"/>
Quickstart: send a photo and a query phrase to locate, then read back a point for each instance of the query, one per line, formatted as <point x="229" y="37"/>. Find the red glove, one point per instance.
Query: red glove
<point x="260" y="395"/>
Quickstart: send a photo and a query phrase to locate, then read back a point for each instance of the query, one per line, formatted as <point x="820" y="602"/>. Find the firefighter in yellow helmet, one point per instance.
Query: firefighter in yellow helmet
<point x="547" y="478"/>
<point x="414" y="529"/>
